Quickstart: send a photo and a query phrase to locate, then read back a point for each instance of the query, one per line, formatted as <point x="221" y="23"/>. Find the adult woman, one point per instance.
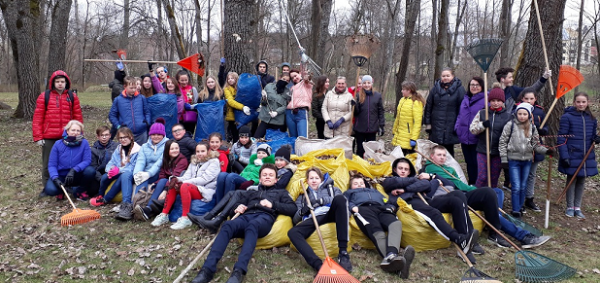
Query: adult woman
<point x="321" y="86"/>
<point x="471" y="104"/>
<point x="272" y="112"/>
<point x="407" y="126"/>
<point x="68" y="159"/>
<point x="441" y="110"/>
<point x="337" y="110"/>
<point x="296" y="115"/>
<point x="369" y="115"/>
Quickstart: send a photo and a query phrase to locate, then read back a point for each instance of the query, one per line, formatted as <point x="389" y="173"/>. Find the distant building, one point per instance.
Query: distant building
<point x="589" y="53"/>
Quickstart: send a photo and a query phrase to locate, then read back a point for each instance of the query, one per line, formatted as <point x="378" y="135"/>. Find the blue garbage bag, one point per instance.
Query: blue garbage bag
<point x="210" y="119"/>
<point x="197" y="207"/>
<point x="249" y="91"/>
<point x="278" y="138"/>
<point x="165" y="106"/>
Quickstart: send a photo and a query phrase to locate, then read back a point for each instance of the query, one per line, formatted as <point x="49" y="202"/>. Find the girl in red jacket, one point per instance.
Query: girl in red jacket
<point x="215" y="141"/>
<point x="174" y="163"/>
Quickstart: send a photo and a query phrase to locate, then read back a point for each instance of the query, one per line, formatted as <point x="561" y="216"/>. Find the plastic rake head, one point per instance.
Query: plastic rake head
<point x="484" y="50"/>
<point x="568" y="79"/>
<point x="79" y="216"/>
<point x="332" y="272"/>
<point x="525" y="226"/>
<point x="533" y="267"/>
<point x="475" y="276"/>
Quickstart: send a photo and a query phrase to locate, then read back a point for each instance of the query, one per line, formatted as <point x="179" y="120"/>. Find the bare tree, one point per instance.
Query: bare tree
<point x="442" y="39"/>
<point x="393" y="10"/>
<point x="505" y="25"/>
<point x="58" y="36"/>
<point x="175" y="34"/>
<point x="320" y="15"/>
<point x="580" y="37"/>
<point x="413" y="8"/>
<point x="460" y="13"/>
<point x="240" y="27"/>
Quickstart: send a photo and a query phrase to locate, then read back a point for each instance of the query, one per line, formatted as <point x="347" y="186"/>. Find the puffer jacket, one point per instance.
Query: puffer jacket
<point x="64" y="157"/>
<point x="365" y="196"/>
<point x="265" y="78"/>
<point x="280" y="199"/>
<point x="230" y="93"/>
<point x="583" y="128"/>
<point x="469" y="107"/>
<point x="497" y="121"/>
<point x="250" y="173"/>
<point x="177" y="167"/>
<point x="120" y="159"/>
<point x="369" y="116"/>
<point x="101" y="154"/>
<point x="243" y="154"/>
<point x="514" y="145"/>
<point x="337" y="106"/>
<point x="274" y="102"/>
<point x="284" y="175"/>
<point x="150" y="157"/>
<point x="131" y="111"/>
<point x="411" y="184"/>
<point x="203" y="174"/>
<point x="187" y="146"/>
<point x="407" y="125"/>
<point x="223" y="157"/>
<point x="441" y="111"/>
<point x="50" y="123"/>
<point x="301" y="94"/>
<point x="320" y="199"/>
<point x="316" y="105"/>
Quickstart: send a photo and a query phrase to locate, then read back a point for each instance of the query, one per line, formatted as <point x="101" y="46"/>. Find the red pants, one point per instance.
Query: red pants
<point x="188" y="192"/>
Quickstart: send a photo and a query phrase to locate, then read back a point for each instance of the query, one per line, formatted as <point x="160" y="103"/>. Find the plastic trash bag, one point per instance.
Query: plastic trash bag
<point x="249" y="91"/>
<point x="278" y="138"/>
<point x="425" y="147"/>
<point x="375" y="149"/>
<point x="210" y="119"/>
<point x="165" y="106"/>
<point x="304" y="145"/>
<point x="277" y="237"/>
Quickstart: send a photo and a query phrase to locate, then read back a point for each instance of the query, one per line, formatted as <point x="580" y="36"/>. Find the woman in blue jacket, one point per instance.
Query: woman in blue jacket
<point x="68" y="159"/>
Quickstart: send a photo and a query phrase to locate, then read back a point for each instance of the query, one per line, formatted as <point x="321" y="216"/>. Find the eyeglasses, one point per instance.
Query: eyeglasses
<point x="474" y="85"/>
<point x="123" y="138"/>
<point x="105" y="136"/>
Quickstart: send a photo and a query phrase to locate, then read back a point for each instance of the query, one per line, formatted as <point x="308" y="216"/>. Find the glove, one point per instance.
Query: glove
<point x="565" y="163"/>
<point x="58" y="182"/>
<point x="70" y="177"/>
<point x="330" y="125"/>
<point x="413" y="143"/>
<point x="141" y="177"/>
<point x="40" y="142"/>
<point x="150" y="66"/>
<point x="597" y="140"/>
<point x="381" y="131"/>
<point x="547" y="74"/>
<point x="222" y="60"/>
<point x="305" y="210"/>
<point x="486" y="123"/>
<point x="258" y="162"/>
<point x="264" y="94"/>
<point x="187" y="106"/>
<point x="113" y="172"/>
<point x="273" y="114"/>
<point x="246" y="110"/>
<point x="504" y="166"/>
<point x="338" y="123"/>
<point x="120" y="65"/>
<point x="551" y="152"/>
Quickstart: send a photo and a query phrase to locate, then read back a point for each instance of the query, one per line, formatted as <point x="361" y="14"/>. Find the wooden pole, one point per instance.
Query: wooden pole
<point x="129" y="61"/>
<point x="487" y="131"/>
<point x="539" y="20"/>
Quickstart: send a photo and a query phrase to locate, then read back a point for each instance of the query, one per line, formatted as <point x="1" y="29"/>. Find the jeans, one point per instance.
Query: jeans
<point x="518" y="172"/>
<point x="89" y="182"/>
<point x="146" y="183"/>
<point x="123" y="184"/>
<point x="297" y="123"/>
<point x="227" y="182"/>
<point x="531" y="179"/>
<point x="52" y="190"/>
<point x="507" y="226"/>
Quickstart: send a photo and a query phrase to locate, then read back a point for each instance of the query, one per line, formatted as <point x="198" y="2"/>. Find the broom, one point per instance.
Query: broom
<point x="77" y="216"/>
<point x="331" y="271"/>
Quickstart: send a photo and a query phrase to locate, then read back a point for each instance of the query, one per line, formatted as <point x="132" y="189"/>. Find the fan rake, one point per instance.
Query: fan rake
<point x="77" y="216"/>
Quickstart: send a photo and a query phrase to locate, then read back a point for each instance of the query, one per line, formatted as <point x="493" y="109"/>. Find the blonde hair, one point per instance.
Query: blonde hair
<point x="204" y="93"/>
<point x="235" y="76"/>
<point x="74" y="122"/>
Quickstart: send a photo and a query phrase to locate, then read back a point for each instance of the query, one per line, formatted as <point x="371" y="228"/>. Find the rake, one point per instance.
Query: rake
<point x="77" y="216"/>
<point x="311" y="65"/>
<point x="194" y="63"/>
<point x="568" y="79"/>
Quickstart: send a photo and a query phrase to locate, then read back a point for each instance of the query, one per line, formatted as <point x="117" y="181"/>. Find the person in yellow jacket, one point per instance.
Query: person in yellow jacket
<point x="230" y="91"/>
<point x="407" y="126"/>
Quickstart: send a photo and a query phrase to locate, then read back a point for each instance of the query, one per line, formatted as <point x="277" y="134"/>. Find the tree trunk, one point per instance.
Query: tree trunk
<point x="240" y="27"/>
<point x="320" y="15"/>
<point x="459" y="18"/>
<point x="175" y="34"/>
<point x="505" y="24"/>
<point x="124" y="38"/>
<point x="431" y="67"/>
<point x="531" y="62"/>
<point x="159" y="41"/>
<point x="412" y="11"/>
<point x="579" y="39"/>
<point x="393" y="9"/>
<point x="442" y="38"/>
<point x="58" y="36"/>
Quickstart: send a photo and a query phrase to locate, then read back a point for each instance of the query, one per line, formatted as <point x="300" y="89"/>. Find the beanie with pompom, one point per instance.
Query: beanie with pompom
<point x="158" y="128"/>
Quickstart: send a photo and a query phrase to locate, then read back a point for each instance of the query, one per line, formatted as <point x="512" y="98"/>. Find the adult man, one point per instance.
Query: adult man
<point x="258" y="211"/>
<point x="54" y="109"/>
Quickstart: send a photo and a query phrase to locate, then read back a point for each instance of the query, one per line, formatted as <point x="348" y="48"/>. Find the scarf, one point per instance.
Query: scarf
<point x="445" y="85"/>
<point x="73" y="141"/>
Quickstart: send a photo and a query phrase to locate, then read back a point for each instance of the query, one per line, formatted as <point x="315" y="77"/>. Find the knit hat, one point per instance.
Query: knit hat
<point x="158" y="128"/>
<point x="367" y="78"/>
<point x="244" y="131"/>
<point x="264" y="147"/>
<point x="496" y="93"/>
<point x="284" y="152"/>
<point x="524" y="105"/>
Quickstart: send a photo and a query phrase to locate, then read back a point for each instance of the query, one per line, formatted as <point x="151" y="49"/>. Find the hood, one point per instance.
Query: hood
<point x="59" y="73"/>
<point x="327" y="181"/>
<point x="476" y="97"/>
<point x="224" y="150"/>
<point x="456" y="83"/>
<point x="125" y="94"/>
<point x="572" y="110"/>
<point x="413" y="171"/>
<point x="211" y="155"/>
<point x="290" y="166"/>
<point x="260" y="62"/>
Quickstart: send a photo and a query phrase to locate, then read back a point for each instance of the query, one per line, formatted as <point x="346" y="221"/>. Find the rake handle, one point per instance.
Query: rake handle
<point x="564" y="191"/>
<point x="129" y="61"/>
<point x="548" y="180"/>
<point x="539" y="21"/>
<point x="314" y="218"/>
<point x="68" y="197"/>
<point x="487" y="132"/>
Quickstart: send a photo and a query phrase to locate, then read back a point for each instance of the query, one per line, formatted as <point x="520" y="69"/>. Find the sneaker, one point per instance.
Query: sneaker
<point x="161" y="219"/>
<point x="478" y="250"/>
<point x="97" y="201"/>
<point x="579" y="214"/>
<point x="522" y="210"/>
<point x="83" y="196"/>
<point x="125" y="212"/>
<point x="499" y="241"/>
<point x="237" y="276"/>
<point x="466" y="242"/>
<point x="570" y="212"/>
<point x="531" y="241"/>
<point x="470" y="256"/>
<point x="116" y="209"/>
<point x="344" y="261"/>
<point x="204" y="275"/>
<point x="60" y="197"/>
<point x="392" y="263"/>
<point x="529" y="203"/>
<point x="182" y="223"/>
<point x="409" y="255"/>
<point x="142" y="213"/>
<point x="516" y="214"/>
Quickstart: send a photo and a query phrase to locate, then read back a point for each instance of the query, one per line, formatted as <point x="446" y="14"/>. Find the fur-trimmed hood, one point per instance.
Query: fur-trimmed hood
<point x="211" y="154"/>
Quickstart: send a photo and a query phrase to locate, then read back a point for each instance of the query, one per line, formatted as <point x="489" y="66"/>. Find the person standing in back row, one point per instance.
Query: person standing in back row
<point x="369" y="114"/>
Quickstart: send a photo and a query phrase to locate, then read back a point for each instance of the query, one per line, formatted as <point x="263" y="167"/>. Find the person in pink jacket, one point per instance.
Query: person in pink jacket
<point x="296" y="114"/>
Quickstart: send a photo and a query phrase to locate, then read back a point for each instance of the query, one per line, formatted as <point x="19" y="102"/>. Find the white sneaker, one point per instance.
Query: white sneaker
<point x="182" y="223"/>
<point x="116" y="209"/>
<point x="160" y="219"/>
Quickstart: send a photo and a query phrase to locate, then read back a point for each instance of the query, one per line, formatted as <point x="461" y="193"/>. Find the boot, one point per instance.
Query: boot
<point x="237" y="276"/>
<point x="157" y="206"/>
<point x="227" y="198"/>
<point x="211" y="225"/>
<point x="204" y="276"/>
<point x="208" y="216"/>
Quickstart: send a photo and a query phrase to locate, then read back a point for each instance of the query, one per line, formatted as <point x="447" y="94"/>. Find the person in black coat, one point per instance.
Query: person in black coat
<point x="441" y="110"/>
<point x="187" y="145"/>
<point x="368" y="114"/>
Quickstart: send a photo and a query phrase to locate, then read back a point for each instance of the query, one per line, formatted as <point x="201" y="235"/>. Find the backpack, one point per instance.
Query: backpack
<point x="141" y="198"/>
<point x="70" y="99"/>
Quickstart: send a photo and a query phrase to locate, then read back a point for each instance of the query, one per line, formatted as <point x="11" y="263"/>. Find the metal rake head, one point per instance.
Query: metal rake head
<point x="533" y="267"/>
<point x="484" y="50"/>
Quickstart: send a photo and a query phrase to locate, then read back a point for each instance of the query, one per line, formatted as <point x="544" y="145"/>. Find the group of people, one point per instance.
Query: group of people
<point x="249" y="180"/>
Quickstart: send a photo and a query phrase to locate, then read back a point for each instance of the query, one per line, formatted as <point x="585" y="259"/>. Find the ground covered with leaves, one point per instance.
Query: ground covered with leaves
<point x="35" y="248"/>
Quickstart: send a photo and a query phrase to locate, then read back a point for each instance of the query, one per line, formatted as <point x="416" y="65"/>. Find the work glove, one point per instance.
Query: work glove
<point x="273" y="114"/>
<point x="264" y="94"/>
<point x="113" y="172"/>
<point x="504" y="166"/>
<point x="120" y="65"/>
<point x="58" y="182"/>
<point x="141" y="177"/>
<point x="338" y="123"/>
<point x="258" y="162"/>
<point x="330" y="125"/>
<point x="565" y="163"/>
<point x="413" y="143"/>
<point x="40" y="142"/>
<point x="597" y="140"/>
<point x="222" y="60"/>
<point x="151" y="66"/>
<point x="305" y="210"/>
<point x="486" y="123"/>
<point x="550" y="152"/>
<point x="70" y="178"/>
<point x="381" y="131"/>
<point x="547" y="74"/>
<point x="246" y="110"/>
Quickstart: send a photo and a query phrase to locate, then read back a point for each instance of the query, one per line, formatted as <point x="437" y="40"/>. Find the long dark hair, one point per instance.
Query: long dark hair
<point x="320" y="86"/>
<point x="167" y="160"/>
<point x="479" y="80"/>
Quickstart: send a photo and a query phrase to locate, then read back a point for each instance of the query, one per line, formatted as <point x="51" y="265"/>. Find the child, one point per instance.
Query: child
<point x="102" y="150"/>
<point x="173" y="164"/>
<point x="285" y="169"/>
<point x="518" y="141"/>
<point x="151" y="155"/>
<point x="230" y="92"/>
<point x="369" y="204"/>
<point x="329" y="206"/>
<point x="498" y="117"/>
<point x="369" y="114"/>
<point x="130" y="109"/>
<point x="579" y="122"/>
<point x="147" y="90"/>
<point x="211" y="91"/>
<point x="296" y="113"/>
<point x="190" y="94"/>
<point x="198" y="182"/>
<point x="262" y="156"/>
<point x="216" y="144"/>
<point x="187" y="145"/>
<point x="242" y="150"/>
<point x="407" y="126"/>
<point x="173" y="88"/>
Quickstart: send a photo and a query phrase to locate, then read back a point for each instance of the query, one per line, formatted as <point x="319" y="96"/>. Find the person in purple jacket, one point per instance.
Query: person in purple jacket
<point x="471" y="104"/>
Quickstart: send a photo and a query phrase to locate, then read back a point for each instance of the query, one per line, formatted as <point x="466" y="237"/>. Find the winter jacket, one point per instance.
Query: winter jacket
<point x="64" y="157"/>
<point x="365" y="196"/>
<point x="284" y="175"/>
<point x="337" y="106"/>
<point x="131" y="111"/>
<point x="583" y="128"/>
<point x="514" y="145"/>
<point x="441" y="111"/>
<point x="49" y="123"/>
<point x="120" y="160"/>
<point x="242" y="153"/>
<point x="301" y="94"/>
<point x="250" y="173"/>
<point x="538" y="116"/>
<point x="116" y="85"/>
<point x="469" y="107"/>
<point x="320" y="199"/>
<point x="411" y="184"/>
<point x="497" y="121"/>
<point x="190" y="93"/>
<point x="230" y="93"/>
<point x="177" y="167"/>
<point x="274" y="102"/>
<point x="316" y="105"/>
<point x="187" y="146"/>
<point x="369" y="116"/>
<point x="223" y="157"/>
<point x="150" y="157"/>
<point x="265" y="78"/>
<point x="512" y="92"/>
<point x="437" y="169"/>
<point x="101" y="154"/>
<point x="407" y="125"/>
<point x="280" y="200"/>
<point x="203" y="174"/>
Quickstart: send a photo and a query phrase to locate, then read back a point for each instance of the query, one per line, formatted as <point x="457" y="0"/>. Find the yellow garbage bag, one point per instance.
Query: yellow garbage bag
<point x="277" y="237"/>
<point x="357" y="237"/>
<point x="119" y="197"/>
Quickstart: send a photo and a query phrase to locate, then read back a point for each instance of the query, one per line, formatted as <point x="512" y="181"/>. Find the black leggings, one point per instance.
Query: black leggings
<point x="379" y="221"/>
<point x="363" y="137"/>
<point x="320" y="124"/>
<point x="451" y="203"/>
<point x="261" y="131"/>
